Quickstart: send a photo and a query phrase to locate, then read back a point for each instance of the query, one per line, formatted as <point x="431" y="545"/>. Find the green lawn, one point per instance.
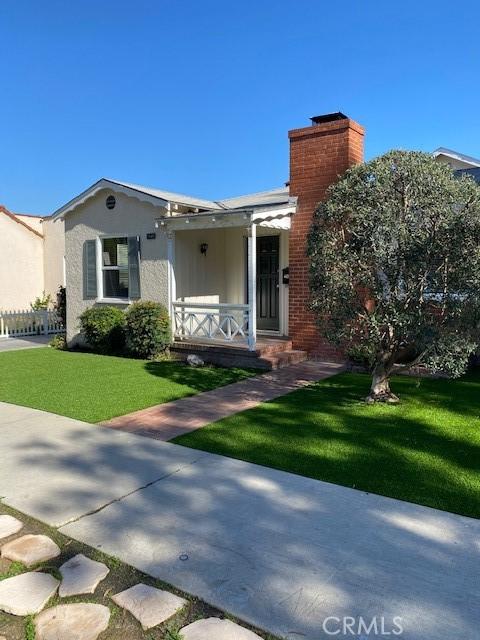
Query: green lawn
<point x="425" y="450"/>
<point x="93" y="388"/>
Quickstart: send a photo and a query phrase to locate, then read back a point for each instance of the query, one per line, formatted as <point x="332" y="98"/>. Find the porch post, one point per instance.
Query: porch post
<point x="252" y="287"/>
<point x="172" y="285"/>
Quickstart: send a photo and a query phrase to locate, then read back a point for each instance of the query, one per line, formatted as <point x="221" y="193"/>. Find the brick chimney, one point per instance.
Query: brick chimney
<point x="319" y="154"/>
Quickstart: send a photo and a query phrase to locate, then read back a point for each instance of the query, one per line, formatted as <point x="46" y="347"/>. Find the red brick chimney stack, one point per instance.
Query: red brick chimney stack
<point x="319" y="154"/>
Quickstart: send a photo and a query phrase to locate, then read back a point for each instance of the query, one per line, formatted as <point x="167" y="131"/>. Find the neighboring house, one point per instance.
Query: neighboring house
<point x="455" y="159"/>
<point x="31" y="260"/>
<point x="231" y="272"/>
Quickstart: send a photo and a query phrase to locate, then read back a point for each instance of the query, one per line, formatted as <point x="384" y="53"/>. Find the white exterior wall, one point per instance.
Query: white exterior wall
<point x="35" y="222"/>
<point x="220" y="276"/>
<point x="130" y="217"/>
<point x="196" y="274"/>
<point x="21" y="265"/>
<point x="54" y="256"/>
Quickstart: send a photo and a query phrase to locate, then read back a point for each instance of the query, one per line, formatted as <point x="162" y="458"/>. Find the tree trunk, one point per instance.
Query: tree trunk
<point x="380" y="389"/>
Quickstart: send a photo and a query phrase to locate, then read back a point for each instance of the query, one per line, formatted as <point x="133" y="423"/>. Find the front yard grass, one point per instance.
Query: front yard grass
<point x="94" y="388"/>
<point x="425" y="450"/>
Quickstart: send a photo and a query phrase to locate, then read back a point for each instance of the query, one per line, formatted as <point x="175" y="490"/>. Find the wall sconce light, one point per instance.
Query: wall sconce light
<point x="203" y="248"/>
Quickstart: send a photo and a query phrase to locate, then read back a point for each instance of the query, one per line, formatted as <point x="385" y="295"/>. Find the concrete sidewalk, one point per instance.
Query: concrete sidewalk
<point x="172" y="419"/>
<point x="28" y="342"/>
<point x="280" y="551"/>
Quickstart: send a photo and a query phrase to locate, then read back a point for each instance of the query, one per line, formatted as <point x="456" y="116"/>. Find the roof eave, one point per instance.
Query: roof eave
<point x="100" y="185"/>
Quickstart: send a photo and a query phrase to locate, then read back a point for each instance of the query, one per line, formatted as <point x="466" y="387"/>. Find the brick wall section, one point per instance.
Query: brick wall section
<point x="319" y="154"/>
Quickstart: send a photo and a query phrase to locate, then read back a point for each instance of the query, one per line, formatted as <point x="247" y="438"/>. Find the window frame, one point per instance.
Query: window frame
<point x="101" y="268"/>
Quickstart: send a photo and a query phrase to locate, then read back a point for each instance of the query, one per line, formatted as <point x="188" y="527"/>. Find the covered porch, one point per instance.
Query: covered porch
<point x="228" y="276"/>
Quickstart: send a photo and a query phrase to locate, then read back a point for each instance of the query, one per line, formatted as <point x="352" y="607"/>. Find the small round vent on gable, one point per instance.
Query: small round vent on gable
<point x="110" y="202"/>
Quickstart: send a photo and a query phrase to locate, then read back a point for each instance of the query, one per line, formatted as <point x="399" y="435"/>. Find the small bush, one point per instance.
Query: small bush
<point x="362" y="355"/>
<point x="103" y="328"/>
<point x="41" y="302"/>
<point x="58" y="342"/>
<point x="147" y="329"/>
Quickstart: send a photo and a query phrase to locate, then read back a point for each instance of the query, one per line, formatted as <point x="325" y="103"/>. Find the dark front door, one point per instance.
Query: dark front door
<point x="267" y="283"/>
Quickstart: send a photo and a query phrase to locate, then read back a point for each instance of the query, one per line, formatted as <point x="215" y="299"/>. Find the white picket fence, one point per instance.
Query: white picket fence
<point x="14" y="324"/>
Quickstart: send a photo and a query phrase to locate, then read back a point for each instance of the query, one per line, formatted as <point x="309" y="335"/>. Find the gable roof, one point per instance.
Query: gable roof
<point x="456" y="155"/>
<point x="159" y="197"/>
<point x="169" y="196"/>
<point x="14" y="218"/>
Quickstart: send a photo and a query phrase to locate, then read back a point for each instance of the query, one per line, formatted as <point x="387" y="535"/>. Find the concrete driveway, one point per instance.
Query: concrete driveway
<point x="291" y="555"/>
<point x="28" y="342"/>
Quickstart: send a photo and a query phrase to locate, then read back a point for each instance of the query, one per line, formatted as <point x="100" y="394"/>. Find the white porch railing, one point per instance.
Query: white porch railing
<point x="29" y="323"/>
<point x="218" y="322"/>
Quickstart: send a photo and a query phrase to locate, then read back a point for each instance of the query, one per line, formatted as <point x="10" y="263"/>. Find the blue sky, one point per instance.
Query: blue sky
<point x="198" y="96"/>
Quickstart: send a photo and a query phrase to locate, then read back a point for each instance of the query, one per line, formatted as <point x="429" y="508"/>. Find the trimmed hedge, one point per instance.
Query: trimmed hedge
<point x="103" y="328"/>
<point x="147" y="328"/>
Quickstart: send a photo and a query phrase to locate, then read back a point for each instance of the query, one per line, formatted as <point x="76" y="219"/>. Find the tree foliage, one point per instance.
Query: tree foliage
<point x="395" y="265"/>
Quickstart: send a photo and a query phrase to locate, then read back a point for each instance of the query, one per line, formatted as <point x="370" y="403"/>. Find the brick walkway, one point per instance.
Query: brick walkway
<point x="166" y="421"/>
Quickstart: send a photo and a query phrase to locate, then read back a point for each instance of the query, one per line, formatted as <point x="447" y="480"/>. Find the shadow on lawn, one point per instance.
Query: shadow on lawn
<point x="281" y="550"/>
<point x="326" y="432"/>
<point x="200" y="379"/>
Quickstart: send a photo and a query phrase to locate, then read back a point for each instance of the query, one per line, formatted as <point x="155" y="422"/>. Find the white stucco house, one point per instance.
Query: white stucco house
<point x="31" y="259"/>
<point x="204" y="260"/>
<point x="233" y="273"/>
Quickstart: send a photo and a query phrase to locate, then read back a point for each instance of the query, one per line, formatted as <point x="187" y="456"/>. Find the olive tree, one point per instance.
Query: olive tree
<point x="395" y="266"/>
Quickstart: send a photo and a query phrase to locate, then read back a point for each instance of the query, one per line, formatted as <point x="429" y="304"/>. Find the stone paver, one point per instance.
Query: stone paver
<point x="72" y="622"/>
<point x="172" y="419"/>
<point x="26" y="593"/>
<point x="216" y="629"/>
<point x="81" y="575"/>
<point x="31" y="549"/>
<point x="9" y="526"/>
<point x="150" y="606"/>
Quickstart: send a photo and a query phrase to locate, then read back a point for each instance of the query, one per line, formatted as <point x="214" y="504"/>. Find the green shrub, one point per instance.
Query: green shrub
<point x="147" y="329"/>
<point x="103" y="328"/>
<point x="41" y="302"/>
<point x="58" y="342"/>
<point x="362" y="355"/>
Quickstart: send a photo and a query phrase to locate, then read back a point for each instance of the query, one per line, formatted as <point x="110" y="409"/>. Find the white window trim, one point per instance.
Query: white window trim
<point x="99" y="254"/>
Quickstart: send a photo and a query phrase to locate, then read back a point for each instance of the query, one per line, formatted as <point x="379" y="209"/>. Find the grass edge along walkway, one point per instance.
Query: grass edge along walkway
<point x="425" y="450"/>
<point x="94" y="388"/>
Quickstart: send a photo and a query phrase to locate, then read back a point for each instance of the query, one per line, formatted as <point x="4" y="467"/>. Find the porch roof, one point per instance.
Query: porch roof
<point x="273" y="216"/>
